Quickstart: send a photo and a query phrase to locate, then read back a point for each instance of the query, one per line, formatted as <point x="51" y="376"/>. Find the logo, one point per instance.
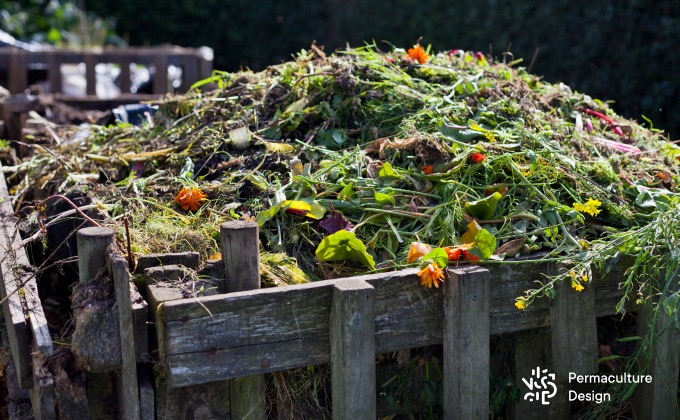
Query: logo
<point x="541" y="386"/>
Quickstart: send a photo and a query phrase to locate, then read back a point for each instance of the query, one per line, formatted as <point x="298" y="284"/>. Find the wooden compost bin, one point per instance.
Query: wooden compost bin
<point x="196" y="64"/>
<point x="214" y="350"/>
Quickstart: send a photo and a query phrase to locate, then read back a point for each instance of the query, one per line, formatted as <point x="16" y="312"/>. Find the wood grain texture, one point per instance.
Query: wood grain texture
<point x="658" y="400"/>
<point x="93" y="243"/>
<point x="573" y="329"/>
<point x="128" y="390"/>
<point x="239" y="244"/>
<point x="16" y="274"/>
<point x="352" y="328"/>
<point x="267" y="330"/>
<point x="466" y="343"/>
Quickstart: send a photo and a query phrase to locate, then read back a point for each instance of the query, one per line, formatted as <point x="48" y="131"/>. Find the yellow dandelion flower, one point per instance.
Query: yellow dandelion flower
<point x="520" y="304"/>
<point x="591" y="207"/>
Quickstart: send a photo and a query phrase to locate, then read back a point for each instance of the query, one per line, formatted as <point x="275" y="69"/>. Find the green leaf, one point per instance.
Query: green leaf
<point x="387" y="172"/>
<point x="382" y="198"/>
<point x="670" y="305"/>
<point x="626" y="339"/>
<point x="187" y="171"/>
<point x="438" y="256"/>
<point x="486" y="244"/>
<point x="343" y="245"/>
<point x="347" y="192"/>
<point x="331" y="139"/>
<point x="485" y="208"/>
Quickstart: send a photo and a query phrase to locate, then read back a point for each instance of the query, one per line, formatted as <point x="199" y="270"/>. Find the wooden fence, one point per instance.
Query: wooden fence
<point x="229" y="339"/>
<point x="195" y="64"/>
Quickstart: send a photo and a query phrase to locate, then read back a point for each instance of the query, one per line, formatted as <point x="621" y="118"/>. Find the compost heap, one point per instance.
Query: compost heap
<point x="367" y="160"/>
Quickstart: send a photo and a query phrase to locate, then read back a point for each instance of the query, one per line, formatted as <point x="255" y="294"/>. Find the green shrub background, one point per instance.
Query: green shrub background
<point x="626" y="51"/>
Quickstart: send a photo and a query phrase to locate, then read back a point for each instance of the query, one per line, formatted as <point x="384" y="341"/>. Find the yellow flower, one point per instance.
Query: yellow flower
<point x="520" y="303"/>
<point x="584" y="278"/>
<point x="431" y="275"/>
<point x="417" y="250"/>
<point x="591" y="207"/>
<point x="190" y="198"/>
<point x="577" y="286"/>
<point x="418" y="54"/>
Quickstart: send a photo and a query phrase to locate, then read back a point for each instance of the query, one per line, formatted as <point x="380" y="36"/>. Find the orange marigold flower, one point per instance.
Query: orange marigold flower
<point x="190" y="198"/>
<point x="458" y="252"/>
<point x="427" y="169"/>
<point x="418" y="54"/>
<point x="431" y="275"/>
<point x="477" y="157"/>
<point x="417" y="250"/>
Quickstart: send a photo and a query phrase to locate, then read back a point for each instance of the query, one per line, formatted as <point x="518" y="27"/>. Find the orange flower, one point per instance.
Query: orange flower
<point x="460" y="253"/>
<point x="418" y="54"/>
<point x="190" y="198"/>
<point x="477" y="157"/>
<point x="417" y="250"/>
<point x="431" y="275"/>
<point x="427" y="169"/>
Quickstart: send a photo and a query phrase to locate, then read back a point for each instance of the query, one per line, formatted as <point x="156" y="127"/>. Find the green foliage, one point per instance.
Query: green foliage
<point x="621" y="51"/>
<point x="344" y="245"/>
<point x="437" y="255"/>
<point x="59" y="23"/>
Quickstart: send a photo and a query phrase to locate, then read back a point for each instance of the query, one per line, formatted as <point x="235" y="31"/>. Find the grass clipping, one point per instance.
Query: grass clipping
<point x="390" y="146"/>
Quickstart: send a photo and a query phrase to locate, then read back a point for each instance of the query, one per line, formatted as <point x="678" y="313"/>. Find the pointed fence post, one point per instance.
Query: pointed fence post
<point x="352" y="328"/>
<point x="467" y="356"/>
<point x="239" y="243"/>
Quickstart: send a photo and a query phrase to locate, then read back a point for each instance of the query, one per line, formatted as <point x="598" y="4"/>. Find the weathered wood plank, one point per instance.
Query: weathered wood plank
<point x="146" y="396"/>
<point x="187" y="259"/>
<point x="90" y="74"/>
<point x="18" y="71"/>
<point x="239" y="243"/>
<point x="573" y="331"/>
<point x="43" y="399"/>
<point x="93" y="244"/>
<point x="271" y="324"/>
<point x="352" y="328"/>
<point x="466" y="343"/>
<point x="532" y="349"/>
<point x="128" y="390"/>
<point x="160" y="79"/>
<point x="13" y="271"/>
<point x="140" y="318"/>
<point x="659" y="399"/>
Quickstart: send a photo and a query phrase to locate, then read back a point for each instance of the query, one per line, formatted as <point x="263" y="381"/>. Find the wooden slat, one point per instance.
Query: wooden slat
<point x="659" y="399"/>
<point x="280" y="328"/>
<point x="18" y="72"/>
<point x="54" y="73"/>
<point x="43" y="398"/>
<point x="128" y="390"/>
<point x="90" y="74"/>
<point x="574" y="338"/>
<point x="353" y="351"/>
<point x="160" y="77"/>
<point x="239" y="243"/>
<point x="466" y="343"/>
<point x="13" y="265"/>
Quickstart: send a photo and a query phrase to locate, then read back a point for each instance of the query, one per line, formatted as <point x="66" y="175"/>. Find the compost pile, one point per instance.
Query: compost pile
<point x="365" y="160"/>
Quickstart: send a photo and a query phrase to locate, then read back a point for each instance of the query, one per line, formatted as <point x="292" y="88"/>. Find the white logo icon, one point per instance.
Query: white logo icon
<point x="541" y="386"/>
